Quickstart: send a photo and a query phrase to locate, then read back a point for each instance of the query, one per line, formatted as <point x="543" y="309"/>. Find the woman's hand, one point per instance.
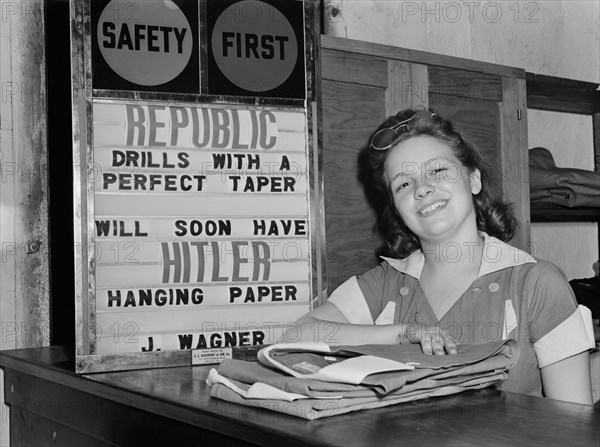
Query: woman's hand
<point x="433" y="339"/>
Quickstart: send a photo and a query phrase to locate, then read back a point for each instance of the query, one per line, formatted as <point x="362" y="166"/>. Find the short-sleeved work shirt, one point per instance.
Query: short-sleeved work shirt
<point x="515" y="296"/>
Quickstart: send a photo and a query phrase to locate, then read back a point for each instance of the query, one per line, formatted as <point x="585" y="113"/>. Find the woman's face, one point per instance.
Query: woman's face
<point x="431" y="189"/>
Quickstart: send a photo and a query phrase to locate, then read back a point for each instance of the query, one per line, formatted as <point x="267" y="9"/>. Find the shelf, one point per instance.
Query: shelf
<point x="561" y="214"/>
<point x="562" y="95"/>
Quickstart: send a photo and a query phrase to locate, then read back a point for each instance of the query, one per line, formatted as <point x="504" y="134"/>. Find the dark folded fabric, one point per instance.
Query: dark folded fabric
<point x="568" y="187"/>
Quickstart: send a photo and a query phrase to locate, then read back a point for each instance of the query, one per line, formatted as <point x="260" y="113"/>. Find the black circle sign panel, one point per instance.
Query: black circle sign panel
<point x="256" y="48"/>
<point x="148" y="46"/>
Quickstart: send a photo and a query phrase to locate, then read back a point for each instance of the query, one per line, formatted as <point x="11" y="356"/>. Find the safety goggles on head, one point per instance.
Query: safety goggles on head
<point x="385" y="138"/>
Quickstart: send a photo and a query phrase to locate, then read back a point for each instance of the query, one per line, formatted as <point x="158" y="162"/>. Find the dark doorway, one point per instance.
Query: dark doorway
<point x="60" y="166"/>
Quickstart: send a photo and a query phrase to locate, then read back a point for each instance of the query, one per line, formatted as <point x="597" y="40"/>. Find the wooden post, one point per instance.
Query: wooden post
<point x="515" y="168"/>
<point x="24" y="278"/>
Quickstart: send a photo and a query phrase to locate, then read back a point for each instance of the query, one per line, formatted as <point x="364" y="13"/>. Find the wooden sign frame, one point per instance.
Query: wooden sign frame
<point x="193" y="233"/>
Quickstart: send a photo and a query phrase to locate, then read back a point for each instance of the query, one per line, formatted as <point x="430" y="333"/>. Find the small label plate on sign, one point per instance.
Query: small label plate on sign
<point x="210" y="356"/>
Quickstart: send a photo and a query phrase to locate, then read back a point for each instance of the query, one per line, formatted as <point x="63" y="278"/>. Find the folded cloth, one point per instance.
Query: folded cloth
<point x="316" y="360"/>
<point x="423" y="365"/>
<point x="320" y="408"/>
<point x="254" y="384"/>
<point x="252" y="372"/>
<point x="568" y="187"/>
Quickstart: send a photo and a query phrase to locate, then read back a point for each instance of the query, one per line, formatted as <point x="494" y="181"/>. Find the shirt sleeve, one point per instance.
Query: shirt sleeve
<point x="559" y="328"/>
<point x="348" y="298"/>
<point x="359" y="298"/>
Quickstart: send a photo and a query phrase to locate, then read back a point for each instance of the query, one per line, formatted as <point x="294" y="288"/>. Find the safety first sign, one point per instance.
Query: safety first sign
<point x="256" y="46"/>
<point x="245" y="48"/>
<point x="145" y="45"/>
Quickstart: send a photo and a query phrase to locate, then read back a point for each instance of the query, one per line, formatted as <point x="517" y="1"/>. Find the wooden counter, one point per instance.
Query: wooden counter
<point x="50" y="405"/>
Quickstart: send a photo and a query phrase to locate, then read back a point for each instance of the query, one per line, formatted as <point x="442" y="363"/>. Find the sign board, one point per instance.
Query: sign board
<point x="198" y="198"/>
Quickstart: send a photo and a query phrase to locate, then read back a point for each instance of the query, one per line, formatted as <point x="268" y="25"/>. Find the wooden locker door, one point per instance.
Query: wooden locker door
<point x="491" y="111"/>
<point x="353" y="104"/>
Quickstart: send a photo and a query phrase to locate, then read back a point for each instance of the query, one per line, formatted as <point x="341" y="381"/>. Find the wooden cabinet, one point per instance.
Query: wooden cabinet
<point x="362" y="83"/>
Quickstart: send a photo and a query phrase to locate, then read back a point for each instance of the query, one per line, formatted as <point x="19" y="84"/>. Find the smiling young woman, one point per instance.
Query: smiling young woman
<point x="448" y="270"/>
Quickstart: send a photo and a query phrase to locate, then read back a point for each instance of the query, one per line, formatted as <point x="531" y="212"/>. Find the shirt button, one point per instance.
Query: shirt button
<point x="494" y="287"/>
<point x="404" y="291"/>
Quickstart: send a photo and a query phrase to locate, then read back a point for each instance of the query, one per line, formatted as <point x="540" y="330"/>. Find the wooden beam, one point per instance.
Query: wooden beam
<point x="419" y="57"/>
<point x="562" y="95"/>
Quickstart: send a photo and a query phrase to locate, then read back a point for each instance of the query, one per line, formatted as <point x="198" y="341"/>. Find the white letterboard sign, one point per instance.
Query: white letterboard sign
<point x="197" y="202"/>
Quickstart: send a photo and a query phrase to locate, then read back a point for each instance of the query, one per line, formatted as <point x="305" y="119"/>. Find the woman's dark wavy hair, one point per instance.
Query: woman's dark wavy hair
<point x="494" y="216"/>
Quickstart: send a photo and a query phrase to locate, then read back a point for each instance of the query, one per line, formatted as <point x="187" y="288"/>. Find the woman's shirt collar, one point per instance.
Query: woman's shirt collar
<point x="497" y="255"/>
